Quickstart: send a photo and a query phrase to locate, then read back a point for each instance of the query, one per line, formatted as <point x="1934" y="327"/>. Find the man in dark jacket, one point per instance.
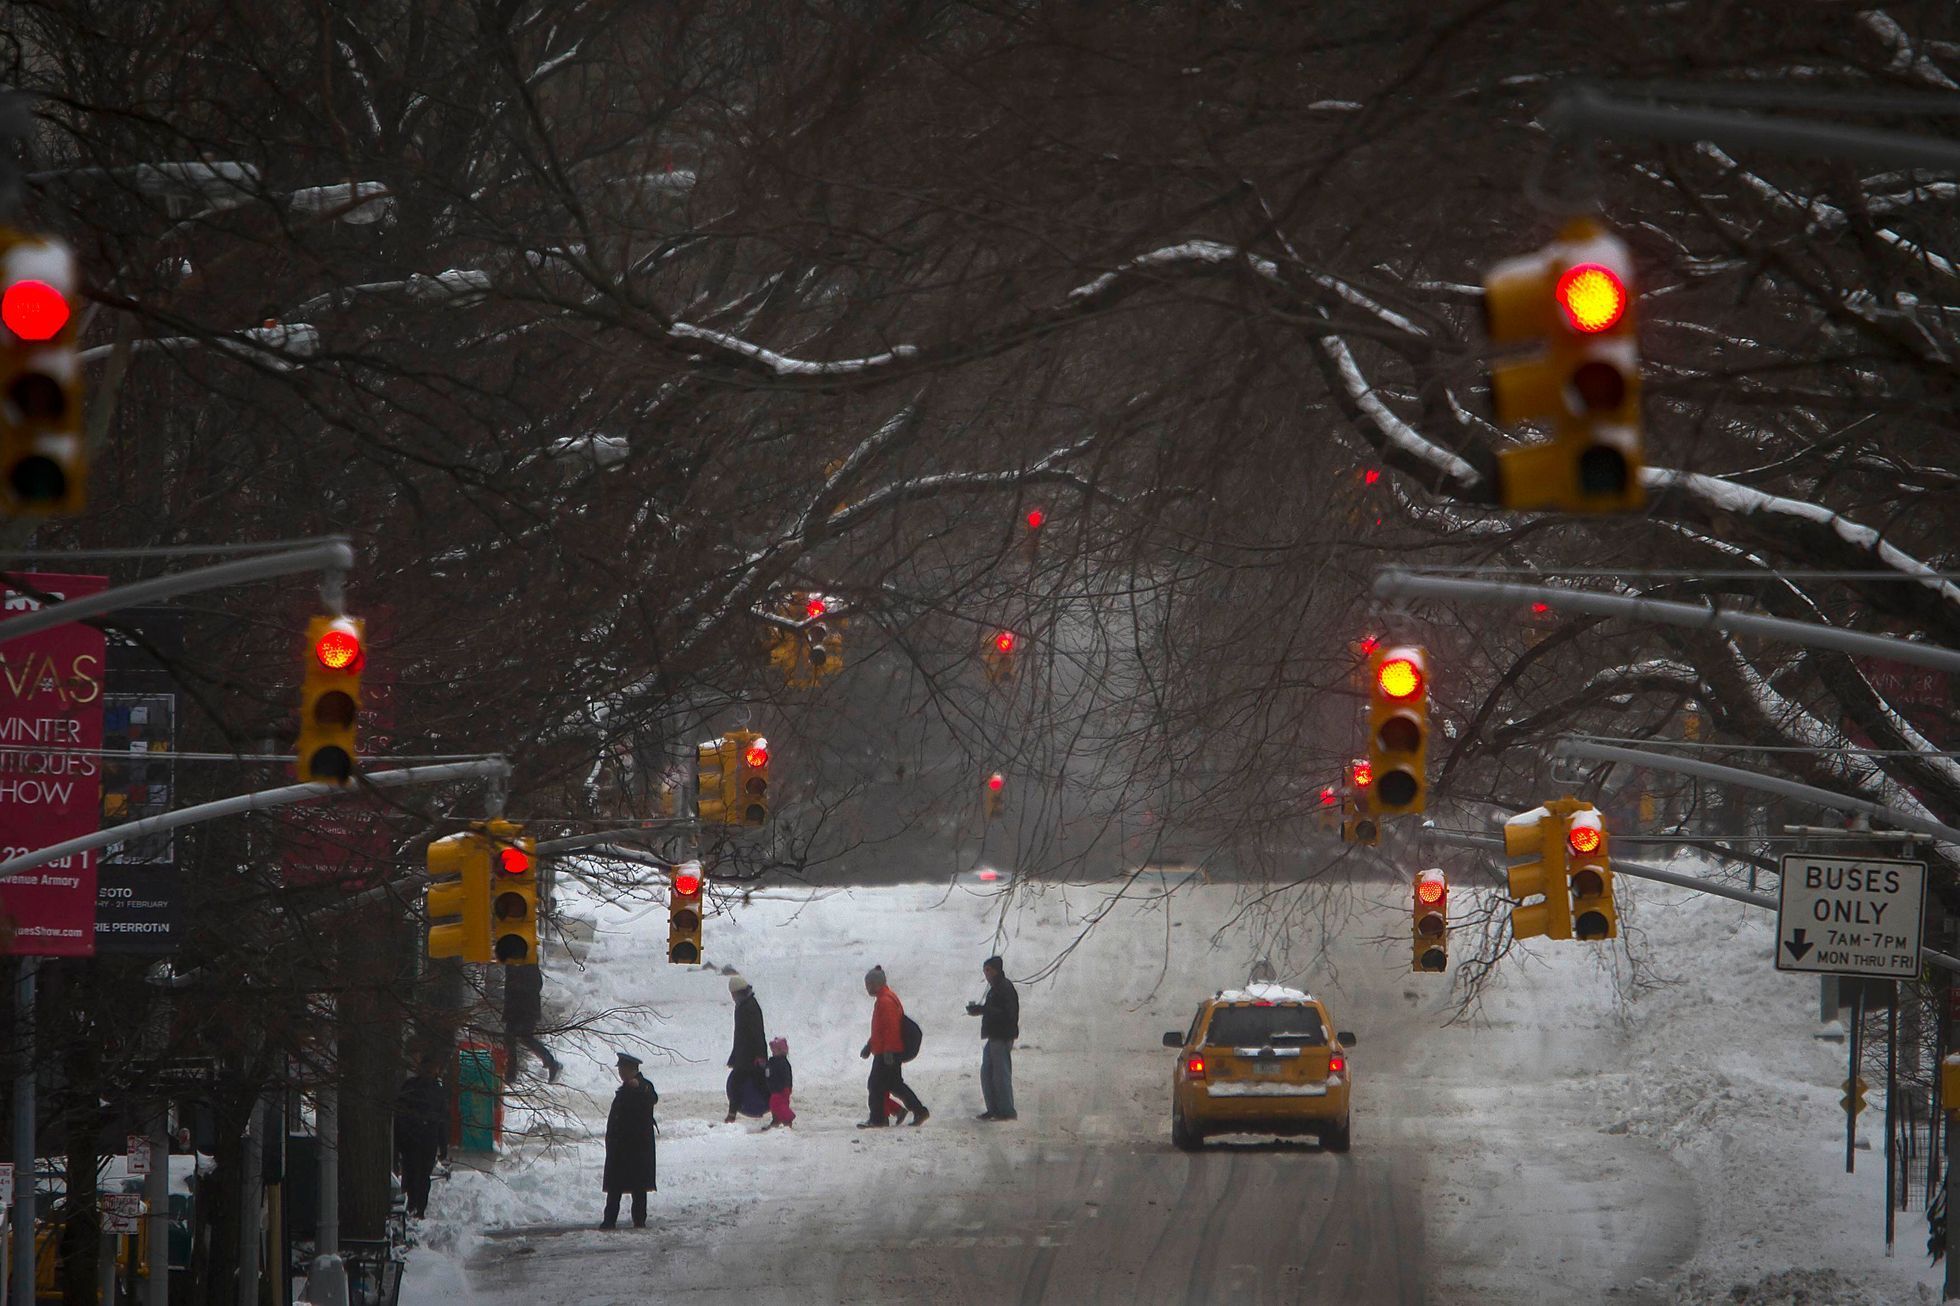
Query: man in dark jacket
<point x="523" y="1009"/>
<point x="629" y="1144"/>
<point x="746" y="1076"/>
<point x="421" y="1131"/>
<point x="1000" y="1025"/>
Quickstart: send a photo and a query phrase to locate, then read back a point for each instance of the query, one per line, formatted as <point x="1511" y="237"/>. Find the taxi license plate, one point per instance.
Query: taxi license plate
<point x="1265" y="1067"/>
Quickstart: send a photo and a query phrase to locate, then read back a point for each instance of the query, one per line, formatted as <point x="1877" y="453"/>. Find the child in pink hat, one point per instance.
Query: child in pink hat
<point x="780" y="1082"/>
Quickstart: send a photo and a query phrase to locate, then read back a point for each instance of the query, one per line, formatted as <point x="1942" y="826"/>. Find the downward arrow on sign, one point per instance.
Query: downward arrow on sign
<point x="1797" y="945"/>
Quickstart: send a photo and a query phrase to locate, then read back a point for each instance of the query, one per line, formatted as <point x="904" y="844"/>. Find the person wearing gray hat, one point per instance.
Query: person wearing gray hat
<point x="630" y="1131"/>
<point x="1000" y="1025"/>
<point x="886" y="1048"/>
<point x="748" y="1084"/>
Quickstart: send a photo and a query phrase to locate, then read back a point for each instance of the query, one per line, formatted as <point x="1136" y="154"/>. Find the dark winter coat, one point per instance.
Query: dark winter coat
<point x="422" y="1117"/>
<point x="779" y="1075"/>
<point x="629" y="1138"/>
<point x="751" y="1045"/>
<point x="523" y="999"/>
<point x="1000" y="1014"/>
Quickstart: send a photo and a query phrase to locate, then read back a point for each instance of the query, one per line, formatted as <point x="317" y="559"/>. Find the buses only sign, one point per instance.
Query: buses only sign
<point x="1850" y="916"/>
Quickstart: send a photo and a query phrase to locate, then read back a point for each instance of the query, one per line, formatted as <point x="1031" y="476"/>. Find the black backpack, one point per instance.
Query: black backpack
<point x="911" y="1036"/>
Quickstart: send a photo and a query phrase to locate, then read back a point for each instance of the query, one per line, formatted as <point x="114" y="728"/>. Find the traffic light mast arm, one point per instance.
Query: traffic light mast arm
<point x="1393" y="582"/>
<point x="488" y="769"/>
<point x="333" y="556"/>
<point x="1644" y="871"/>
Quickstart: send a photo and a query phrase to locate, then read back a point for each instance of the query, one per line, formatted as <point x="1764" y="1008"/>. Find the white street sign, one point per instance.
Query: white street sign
<point x="7" y="1183"/>
<point x="1850" y="916"/>
<point x="139" y="1154"/>
<point x="121" y="1212"/>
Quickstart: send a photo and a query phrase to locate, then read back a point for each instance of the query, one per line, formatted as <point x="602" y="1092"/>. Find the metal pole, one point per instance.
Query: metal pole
<point x="156" y="1195"/>
<point x="327" y="1116"/>
<point x="1395" y="583"/>
<point x="1748" y="780"/>
<point x="23" y="1285"/>
<point x="248" y="1208"/>
<point x="1891" y="1112"/>
<point x="266" y="798"/>
<point x="335" y="555"/>
<point x="1584" y="110"/>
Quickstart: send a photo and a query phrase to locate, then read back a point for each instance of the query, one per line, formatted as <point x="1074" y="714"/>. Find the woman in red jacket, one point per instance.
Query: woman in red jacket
<point x="886" y="1050"/>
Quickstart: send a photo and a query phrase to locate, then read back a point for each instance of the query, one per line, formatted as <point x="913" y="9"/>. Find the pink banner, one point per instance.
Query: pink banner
<point x="50" y="774"/>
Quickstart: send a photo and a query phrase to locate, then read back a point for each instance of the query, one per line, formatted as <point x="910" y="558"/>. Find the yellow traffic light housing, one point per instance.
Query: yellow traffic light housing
<point x="1431" y="932"/>
<point x="1538" y="833"/>
<point x="513" y="860"/>
<point x="1589" y="875"/>
<point x="714" y="780"/>
<point x="457" y="900"/>
<point x="750" y="805"/>
<point x="330" y="700"/>
<point x="43" y="451"/>
<point x="994" y="797"/>
<point x="1572" y="301"/>
<point x="1398" y="729"/>
<point x="684" y="915"/>
<point x="1358" y="824"/>
<point x="1001" y="655"/>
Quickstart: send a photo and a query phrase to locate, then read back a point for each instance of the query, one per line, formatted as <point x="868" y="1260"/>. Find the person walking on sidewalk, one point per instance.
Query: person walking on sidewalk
<point x="1000" y="1025"/>
<point x="886" y="1049"/>
<point x="630" y="1144"/>
<point x="421" y="1130"/>
<point x="523" y="1009"/>
<point x="747" y="1084"/>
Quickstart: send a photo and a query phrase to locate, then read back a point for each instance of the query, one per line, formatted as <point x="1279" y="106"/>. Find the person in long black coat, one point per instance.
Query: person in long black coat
<point x="421" y="1131"/>
<point x="523" y="1009"/>
<point x="747" y="1077"/>
<point x="629" y="1144"/>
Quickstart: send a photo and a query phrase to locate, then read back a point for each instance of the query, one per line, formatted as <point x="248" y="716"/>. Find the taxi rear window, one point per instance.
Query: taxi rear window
<point x="1276" y="1026"/>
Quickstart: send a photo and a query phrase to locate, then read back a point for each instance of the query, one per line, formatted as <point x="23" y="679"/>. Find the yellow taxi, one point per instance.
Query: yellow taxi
<point x="1261" y="1060"/>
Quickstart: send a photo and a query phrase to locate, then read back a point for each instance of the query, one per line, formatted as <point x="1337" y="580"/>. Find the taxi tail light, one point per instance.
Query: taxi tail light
<point x="1194" y="1066"/>
<point x="1336" y="1064"/>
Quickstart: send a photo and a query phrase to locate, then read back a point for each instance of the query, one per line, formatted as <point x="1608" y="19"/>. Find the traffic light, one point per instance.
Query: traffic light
<point x="1358" y="823"/>
<point x="513" y="859"/>
<point x="1590" y="876"/>
<point x="823" y="641"/>
<point x="996" y="795"/>
<point x="43" y="454"/>
<point x="1432" y="921"/>
<point x="1573" y="302"/>
<point x="1539" y="833"/>
<point x="714" y="782"/>
<point x="1003" y="646"/>
<point x="458" y="897"/>
<point x="751" y="803"/>
<point x="1398" y="729"/>
<point x="330" y="700"/>
<point x="684" y="915"/>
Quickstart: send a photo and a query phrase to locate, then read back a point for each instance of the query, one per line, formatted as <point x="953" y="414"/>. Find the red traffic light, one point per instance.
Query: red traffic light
<point x="815" y="606"/>
<point x="1005" y="641"/>
<point x="687" y="883"/>
<point x="1430" y="890"/>
<point x="1399" y="678"/>
<point x="1584" y="839"/>
<point x="1361" y="773"/>
<point x="1370" y="476"/>
<point x="996" y="782"/>
<point x="756" y="755"/>
<point x="34" y="310"/>
<point x="1369" y="643"/>
<point x="513" y="860"/>
<point x="1035" y="518"/>
<point x="339" y="650"/>
<point x="1592" y="297"/>
<point x="1328" y="796"/>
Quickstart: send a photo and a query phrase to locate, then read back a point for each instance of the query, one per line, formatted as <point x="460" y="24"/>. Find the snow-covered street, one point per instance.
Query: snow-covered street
<point x="1677" y="1140"/>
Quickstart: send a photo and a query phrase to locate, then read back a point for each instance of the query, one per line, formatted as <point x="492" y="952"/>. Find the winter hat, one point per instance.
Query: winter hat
<point x="737" y="986"/>
<point x="875" y="977"/>
<point x="780" y="1046"/>
<point x="995" y="962"/>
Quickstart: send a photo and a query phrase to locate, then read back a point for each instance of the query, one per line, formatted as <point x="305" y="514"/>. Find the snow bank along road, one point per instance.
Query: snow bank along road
<point x="1572" y="1144"/>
